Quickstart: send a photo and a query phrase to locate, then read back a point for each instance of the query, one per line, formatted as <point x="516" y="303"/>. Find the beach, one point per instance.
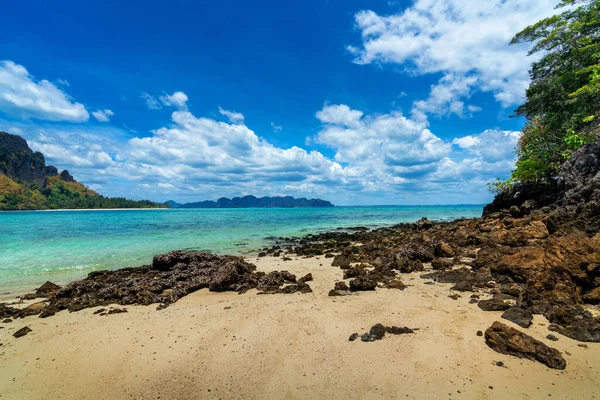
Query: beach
<point x="225" y="345"/>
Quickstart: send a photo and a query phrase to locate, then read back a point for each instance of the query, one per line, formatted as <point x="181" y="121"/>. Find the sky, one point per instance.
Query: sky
<point x="354" y="101"/>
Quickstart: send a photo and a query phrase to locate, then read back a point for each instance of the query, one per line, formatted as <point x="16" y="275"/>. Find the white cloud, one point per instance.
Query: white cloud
<point x="464" y="39"/>
<point x="23" y="97"/>
<point x="232" y="116"/>
<point x="151" y="101"/>
<point x="276" y="128"/>
<point x="177" y="100"/>
<point x="491" y="145"/>
<point x="103" y="115"/>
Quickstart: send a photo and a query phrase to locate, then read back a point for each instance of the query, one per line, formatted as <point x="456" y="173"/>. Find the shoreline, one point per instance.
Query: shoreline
<point x="225" y="345"/>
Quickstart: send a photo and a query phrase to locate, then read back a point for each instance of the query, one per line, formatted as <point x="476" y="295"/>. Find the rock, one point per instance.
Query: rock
<point x="341" y="286"/>
<point x="519" y="316"/>
<point x="500" y="364"/>
<point x="366" y="337"/>
<point x="353" y="337"/>
<point x="574" y="322"/>
<point x="479" y="333"/>
<point x="362" y="283"/>
<point x="592" y="297"/>
<point x="306" y="278"/>
<point x="443" y="249"/>
<point x="396" y="284"/>
<point x="116" y="311"/>
<point x="454" y="296"/>
<point x="423" y="224"/>
<point x="262" y="254"/>
<point x="48" y="289"/>
<point x="552" y="337"/>
<point x="507" y="340"/>
<point x="340" y="261"/>
<point x="395" y="330"/>
<point x="463" y="286"/>
<point x="22" y="332"/>
<point x="442" y="263"/>
<point x="493" y="305"/>
<point x="377" y="331"/>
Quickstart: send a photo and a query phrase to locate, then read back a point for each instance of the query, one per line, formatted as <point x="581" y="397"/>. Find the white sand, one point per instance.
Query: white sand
<point x="285" y="346"/>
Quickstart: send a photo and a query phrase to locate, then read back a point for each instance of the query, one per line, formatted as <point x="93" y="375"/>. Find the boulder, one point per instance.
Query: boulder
<point x="507" y="340"/>
<point x="519" y="316"/>
<point x="48" y="289"/>
<point x="443" y="249"/>
<point x="22" y="332"/>
<point x="493" y="305"/>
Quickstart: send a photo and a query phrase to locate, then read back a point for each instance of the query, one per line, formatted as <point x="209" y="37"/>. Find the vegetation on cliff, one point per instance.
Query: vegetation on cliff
<point x="26" y="183"/>
<point x="562" y="107"/>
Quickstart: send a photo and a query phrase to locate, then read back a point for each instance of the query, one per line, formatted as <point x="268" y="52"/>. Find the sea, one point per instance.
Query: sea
<point x="61" y="246"/>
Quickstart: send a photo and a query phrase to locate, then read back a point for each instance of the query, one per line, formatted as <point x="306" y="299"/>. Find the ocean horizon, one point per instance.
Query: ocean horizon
<point x="65" y="245"/>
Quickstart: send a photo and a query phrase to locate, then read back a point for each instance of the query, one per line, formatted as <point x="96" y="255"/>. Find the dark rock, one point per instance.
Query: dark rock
<point x="377" y="331"/>
<point x="574" y="322"/>
<point x="443" y="249"/>
<point x="493" y="305"/>
<point x="552" y="337"/>
<point x="396" y="284"/>
<point x="22" y="332"/>
<point x="116" y="311"/>
<point x="341" y="286"/>
<point x="463" y="286"/>
<point x="48" y="289"/>
<point x="519" y="316"/>
<point x="479" y="333"/>
<point x="340" y="261"/>
<point x="306" y="278"/>
<point x="499" y="364"/>
<point x="395" y="330"/>
<point x="366" y="337"/>
<point x="262" y="254"/>
<point x="442" y="263"/>
<point x="423" y="224"/>
<point x="362" y="283"/>
<point x="454" y="296"/>
<point x="353" y="337"/>
<point x="507" y="340"/>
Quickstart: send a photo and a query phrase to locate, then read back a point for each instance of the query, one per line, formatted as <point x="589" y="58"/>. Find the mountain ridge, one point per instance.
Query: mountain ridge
<point x="251" y="201"/>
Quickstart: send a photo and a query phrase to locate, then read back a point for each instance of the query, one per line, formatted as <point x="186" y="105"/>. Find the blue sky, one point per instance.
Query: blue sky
<point x="358" y="102"/>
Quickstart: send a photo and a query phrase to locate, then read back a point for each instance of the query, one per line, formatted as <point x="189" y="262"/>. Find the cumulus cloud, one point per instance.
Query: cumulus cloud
<point x="376" y="156"/>
<point x="462" y="39"/>
<point x="177" y="99"/>
<point x="491" y="145"/>
<point x="232" y="116"/>
<point x="103" y="115"/>
<point x="22" y="96"/>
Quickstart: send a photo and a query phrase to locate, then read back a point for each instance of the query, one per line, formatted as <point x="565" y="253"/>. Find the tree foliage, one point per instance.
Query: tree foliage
<point x="562" y="105"/>
<point x="59" y="194"/>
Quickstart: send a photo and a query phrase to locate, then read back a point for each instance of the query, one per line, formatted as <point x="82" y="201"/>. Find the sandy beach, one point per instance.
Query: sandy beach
<point x="225" y="345"/>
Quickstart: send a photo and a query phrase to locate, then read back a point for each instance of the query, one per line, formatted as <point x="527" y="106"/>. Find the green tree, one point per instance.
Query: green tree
<point x="562" y="105"/>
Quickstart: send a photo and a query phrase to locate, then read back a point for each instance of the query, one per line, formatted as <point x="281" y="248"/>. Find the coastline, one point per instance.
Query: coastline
<point x="225" y="345"/>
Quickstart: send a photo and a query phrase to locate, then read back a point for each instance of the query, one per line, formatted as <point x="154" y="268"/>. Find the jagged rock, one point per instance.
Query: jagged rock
<point x="48" y="289"/>
<point x="493" y="305"/>
<point x="377" y="331"/>
<point x="395" y="330"/>
<point x="507" y="340"/>
<point x="423" y="223"/>
<point x="340" y="261"/>
<point x="442" y="263"/>
<point x="353" y="337"/>
<point x="574" y="322"/>
<point x="341" y="286"/>
<point x="593" y="296"/>
<point x="306" y="278"/>
<point x="443" y="249"/>
<point x="22" y="332"/>
<point x="362" y="283"/>
<point x="519" y="316"/>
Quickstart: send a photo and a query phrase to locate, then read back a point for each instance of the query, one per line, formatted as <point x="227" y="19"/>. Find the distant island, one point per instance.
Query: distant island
<point x="27" y="183"/>
<point x="255" y="202"/>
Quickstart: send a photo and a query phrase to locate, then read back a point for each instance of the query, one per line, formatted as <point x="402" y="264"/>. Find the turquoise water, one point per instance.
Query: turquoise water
<point x="64" y="245"/>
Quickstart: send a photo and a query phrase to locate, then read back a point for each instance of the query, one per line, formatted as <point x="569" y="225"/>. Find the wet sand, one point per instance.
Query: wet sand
<point x="225" y="345"/>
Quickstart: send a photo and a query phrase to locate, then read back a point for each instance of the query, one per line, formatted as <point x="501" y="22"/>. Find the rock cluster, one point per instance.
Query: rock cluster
<point x="378" y="331"/>
<point x="170" y="277"/>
